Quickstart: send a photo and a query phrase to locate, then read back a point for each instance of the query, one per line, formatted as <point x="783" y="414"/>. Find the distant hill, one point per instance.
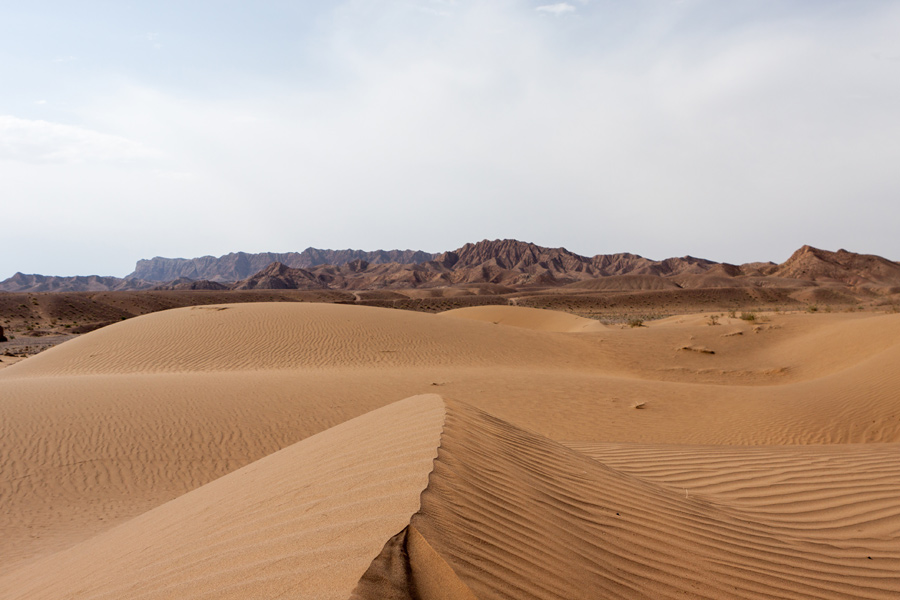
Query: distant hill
<point x="183" y="283"/>
<point x="515" y="263"/>
<point x="240" y="265"/>
<point x="278" y="276"/>
<point x="813" y="264"/>
<point x="20" y="282"/>
<point x="510" y="263"/>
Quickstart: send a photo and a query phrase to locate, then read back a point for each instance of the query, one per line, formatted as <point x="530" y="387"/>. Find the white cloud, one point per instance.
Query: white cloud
<point x="656" y="145"/>
<point x="153" y="38"/>
<point x="560" y="8"/>
<point x="661" y="132"/>
<point x="38" y="141"/>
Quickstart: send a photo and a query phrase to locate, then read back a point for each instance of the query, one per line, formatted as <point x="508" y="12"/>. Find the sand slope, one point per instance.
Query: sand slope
<point x="528" y="318"/>
<point x="303" y="522"/>
<point x="433" y="499"/>
<point x="128" y="420"/>
<point x="519" y="516"/>
<point x="264" y="336"/>
<point x="843" y="494"/>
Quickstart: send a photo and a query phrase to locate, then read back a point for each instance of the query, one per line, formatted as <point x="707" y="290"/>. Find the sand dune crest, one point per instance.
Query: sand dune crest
<point x="434" y="499"/>
<point x="408" y="568"/>
<point x="278" y="336"/>
<point x="304" y="522"/>
<point x="519" y="516"/>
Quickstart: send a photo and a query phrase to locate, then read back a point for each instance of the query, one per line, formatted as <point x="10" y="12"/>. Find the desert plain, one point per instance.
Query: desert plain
<point x="329" y="450"/>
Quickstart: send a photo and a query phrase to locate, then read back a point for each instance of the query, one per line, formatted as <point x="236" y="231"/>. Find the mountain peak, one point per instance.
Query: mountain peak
<point x="842" y="266"/>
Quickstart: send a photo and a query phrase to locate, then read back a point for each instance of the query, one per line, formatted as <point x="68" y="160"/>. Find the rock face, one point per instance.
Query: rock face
<point x="2" y="337"/>
<point x="240" y="265"/>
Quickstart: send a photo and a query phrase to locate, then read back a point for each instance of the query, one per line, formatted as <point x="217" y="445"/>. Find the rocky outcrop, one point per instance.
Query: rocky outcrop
<point x="512" y="254"/>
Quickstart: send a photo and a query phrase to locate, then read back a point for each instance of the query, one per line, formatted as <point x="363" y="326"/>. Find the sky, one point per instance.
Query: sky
<point x="731" y="130"/>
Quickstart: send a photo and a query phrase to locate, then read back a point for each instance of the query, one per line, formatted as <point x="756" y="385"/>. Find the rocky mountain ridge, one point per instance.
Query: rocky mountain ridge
<point x="814" y="264"/>
<point x="498" y="262"/>
<point x="240" y="265"/>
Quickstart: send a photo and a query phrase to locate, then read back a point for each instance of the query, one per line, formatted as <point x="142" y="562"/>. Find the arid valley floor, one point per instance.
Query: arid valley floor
<point x="315" y="450"/>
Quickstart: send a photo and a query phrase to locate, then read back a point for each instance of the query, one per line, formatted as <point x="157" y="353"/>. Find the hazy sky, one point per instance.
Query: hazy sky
<point x="732" y="130"/>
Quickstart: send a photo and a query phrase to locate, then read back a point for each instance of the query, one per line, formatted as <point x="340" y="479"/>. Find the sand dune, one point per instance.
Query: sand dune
<point x="845" y="494"/>
<point x="518" y="516"/>
<point x="527" y="318"/>
<point x="765" y="469"/>
<point x="304" y="521"/>
<point x="266" y="336"/>
<point x="470" y="506"/>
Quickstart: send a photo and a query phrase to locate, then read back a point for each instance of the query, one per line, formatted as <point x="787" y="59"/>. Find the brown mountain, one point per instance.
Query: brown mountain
<point x="513" y="255"/>
<point x="183" y="283"/>
<point x="515" y="263"/>
<point x="813" y="264"/>
<point x="278" y="276"/>
<point x="489" y="262"/>
<point x="621" y="264"/>
<point x="499" y="262"/>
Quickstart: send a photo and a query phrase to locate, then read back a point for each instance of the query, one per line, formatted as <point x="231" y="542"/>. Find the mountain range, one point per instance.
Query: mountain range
<point x="502" y="262"/>
<point x="240" y="265"/>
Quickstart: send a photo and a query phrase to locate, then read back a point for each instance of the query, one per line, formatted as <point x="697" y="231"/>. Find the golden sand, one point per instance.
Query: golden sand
<point x="313" y="450"/>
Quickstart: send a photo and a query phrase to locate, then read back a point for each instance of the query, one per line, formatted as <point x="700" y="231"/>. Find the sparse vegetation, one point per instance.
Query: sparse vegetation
<point x="712" y="320"/>
<point x="634" y="322"/>
<point x="748" y="316"/>
<point x="732" y="313"/>
<point x="811" y="308"/>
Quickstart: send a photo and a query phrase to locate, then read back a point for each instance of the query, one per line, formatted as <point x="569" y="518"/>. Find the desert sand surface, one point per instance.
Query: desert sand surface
<point x="307" y="450"/>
